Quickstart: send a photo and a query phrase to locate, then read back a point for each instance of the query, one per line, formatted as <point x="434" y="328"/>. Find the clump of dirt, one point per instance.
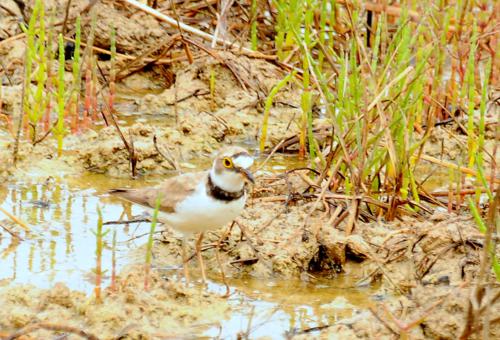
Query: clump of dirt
<point x="166" y="309"/>
<point x="195" y="123"/>
<point x="426" y="266"/>
<point x="105" y="152"/>
<point x="241" y="86"/>
<point x="439" y="312"/>
<point x="133" y="28"/>
<point x="41" y="158"/>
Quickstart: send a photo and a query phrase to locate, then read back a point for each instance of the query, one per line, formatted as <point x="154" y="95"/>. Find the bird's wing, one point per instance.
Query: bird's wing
<point x="170" y="192"/>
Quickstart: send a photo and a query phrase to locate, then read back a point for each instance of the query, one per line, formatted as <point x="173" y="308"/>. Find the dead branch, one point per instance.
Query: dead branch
<point x="168" y="156"/>
<point x="16" y="220"/>
<point x="205" y="36"/>
<point x="12" y="233"/>
<point x="135" y="220"/>
<point x="51" y="327"/>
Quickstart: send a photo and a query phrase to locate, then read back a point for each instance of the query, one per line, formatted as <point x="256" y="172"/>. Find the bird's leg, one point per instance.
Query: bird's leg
<point x="217" y="249"/>
<point x="185" y="260"/>
<point x="200" y="258"/>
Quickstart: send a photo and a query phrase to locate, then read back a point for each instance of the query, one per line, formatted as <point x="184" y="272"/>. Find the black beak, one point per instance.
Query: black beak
<point x="247" y="174"/>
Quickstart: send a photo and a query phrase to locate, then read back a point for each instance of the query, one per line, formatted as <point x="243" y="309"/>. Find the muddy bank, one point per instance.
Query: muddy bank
<point x="427" y="266"/>
<point x="133" y="28"/>
<point x="189" y="122"/>
<point x="418" y="261"/>
<point x="423" y="268"/>
<point x="167" y="309"/>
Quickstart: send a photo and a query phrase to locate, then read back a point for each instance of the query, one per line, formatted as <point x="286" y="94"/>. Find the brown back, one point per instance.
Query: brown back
<point x="171" y="191"/>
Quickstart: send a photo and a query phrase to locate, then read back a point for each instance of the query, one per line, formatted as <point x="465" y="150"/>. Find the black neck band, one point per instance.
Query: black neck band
<point x="221" y="194"/>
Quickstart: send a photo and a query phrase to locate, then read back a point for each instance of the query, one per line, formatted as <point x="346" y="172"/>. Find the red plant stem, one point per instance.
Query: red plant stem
<point x="146" y="277"/>
<point x="48" y="108"/>
<point x="72" y="117"/>
<point x="494" y="164"/>
<point x="97" y="288"/>
<point x="113" y="263"/>
<point x="67" y="110"/>
<point x="76" y="115"/>
<point x="26" y="126"/>
<point x="450" y="200"/>
<point x="111" y="98"/>
<point x="460" y="195"/>
<point x="94" y="90"/>
<point x="98" y="275"/>
<point x="46" y="118"/>
<point x="93" y="100"/>
<point x="88" y="94"/>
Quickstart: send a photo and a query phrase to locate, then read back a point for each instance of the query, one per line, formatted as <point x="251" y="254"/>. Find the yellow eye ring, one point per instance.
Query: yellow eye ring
<point x="227" y="162"/>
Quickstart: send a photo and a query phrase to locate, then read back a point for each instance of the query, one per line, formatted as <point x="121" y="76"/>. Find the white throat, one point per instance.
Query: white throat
<point x="229" y="181"/>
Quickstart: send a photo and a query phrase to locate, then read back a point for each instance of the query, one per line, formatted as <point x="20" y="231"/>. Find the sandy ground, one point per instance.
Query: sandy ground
<point x="165" y="310"/>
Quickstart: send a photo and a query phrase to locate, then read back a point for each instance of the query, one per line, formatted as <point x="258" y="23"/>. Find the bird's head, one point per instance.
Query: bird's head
<point x="230" y="170"/>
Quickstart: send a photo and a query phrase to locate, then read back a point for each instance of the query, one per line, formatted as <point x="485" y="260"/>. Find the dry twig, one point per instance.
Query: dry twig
<point x="51" y="327"/>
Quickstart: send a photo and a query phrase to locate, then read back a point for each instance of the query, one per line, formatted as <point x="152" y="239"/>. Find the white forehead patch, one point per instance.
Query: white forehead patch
<point x="243" y="161"/>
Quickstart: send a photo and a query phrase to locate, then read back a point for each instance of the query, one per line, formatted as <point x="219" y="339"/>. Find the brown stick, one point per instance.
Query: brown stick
<point x="66" y="16"/>
<point x="462" y="192"/>
<point x="51" y="327"/>
<point x="13" y="234"/>
<point x="205" y="36"/>
<point x="128" y="57"/>
<point x="15" y="219"/>
<point x="462" y="169"/>
<point x="381" y="320"/>
<point x="168" y="156"/>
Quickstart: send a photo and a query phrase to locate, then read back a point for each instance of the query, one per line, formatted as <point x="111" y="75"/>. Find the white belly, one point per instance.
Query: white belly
<point x="199" y="212"/>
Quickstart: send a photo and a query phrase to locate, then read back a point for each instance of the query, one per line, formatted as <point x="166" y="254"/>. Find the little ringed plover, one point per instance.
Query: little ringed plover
<point x="197" y="202"/>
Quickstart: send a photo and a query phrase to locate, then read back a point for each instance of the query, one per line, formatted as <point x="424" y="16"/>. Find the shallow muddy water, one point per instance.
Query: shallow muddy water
<point x="61" y="212"/>
<point x="281" y="308"/>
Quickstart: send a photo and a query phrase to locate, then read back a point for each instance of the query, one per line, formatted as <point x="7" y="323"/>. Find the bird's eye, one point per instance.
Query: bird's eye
<point x="227" y="162"/>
